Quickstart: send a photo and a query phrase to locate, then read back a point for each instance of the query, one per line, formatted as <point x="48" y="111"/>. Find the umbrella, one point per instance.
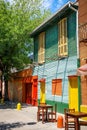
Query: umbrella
<point x="82" y="70"/>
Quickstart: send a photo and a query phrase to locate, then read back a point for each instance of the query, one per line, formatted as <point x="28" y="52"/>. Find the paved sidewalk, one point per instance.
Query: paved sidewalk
<point x="24" y="119"/>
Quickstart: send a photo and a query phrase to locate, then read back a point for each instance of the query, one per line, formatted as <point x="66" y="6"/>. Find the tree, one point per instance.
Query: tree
<point x="17" y="20"/>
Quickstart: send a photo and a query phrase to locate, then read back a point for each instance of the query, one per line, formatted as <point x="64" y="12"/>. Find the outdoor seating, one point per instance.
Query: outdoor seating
<point x="41" y="113"/>
<point x="77" y="121"/>
<point x="69" y="121"/>
<point x="82" y="123"/>
<point x="52" y="114"/>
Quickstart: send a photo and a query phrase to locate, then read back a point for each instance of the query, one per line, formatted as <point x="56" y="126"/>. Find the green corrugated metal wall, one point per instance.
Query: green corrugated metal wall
<point x="52" y="43"/>
<point x="51" y="40"/>
<point x="72" y="35"/>
<point x="36" y="49"/>
<point x="54" y="68"/>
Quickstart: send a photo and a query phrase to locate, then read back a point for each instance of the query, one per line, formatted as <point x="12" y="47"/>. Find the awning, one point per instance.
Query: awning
<point x="82" y="70"/>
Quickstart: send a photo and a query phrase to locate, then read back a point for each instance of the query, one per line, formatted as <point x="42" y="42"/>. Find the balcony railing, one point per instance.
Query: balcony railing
<point x="83" y="32"/>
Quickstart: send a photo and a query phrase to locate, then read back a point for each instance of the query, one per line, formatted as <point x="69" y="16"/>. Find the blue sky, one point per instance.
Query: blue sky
<point x="54" y="5"/>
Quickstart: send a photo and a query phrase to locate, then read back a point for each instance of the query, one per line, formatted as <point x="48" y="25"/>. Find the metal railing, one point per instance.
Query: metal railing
<point x="83" y="32"/>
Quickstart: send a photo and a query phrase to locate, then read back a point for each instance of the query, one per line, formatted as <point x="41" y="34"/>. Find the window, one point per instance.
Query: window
<point x="62" y="44"/>
<point x="57" y="87"/>
<point x="41" y="48"/>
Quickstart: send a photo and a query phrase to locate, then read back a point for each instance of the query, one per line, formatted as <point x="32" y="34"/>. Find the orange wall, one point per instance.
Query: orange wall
<point x="15" y="85"/>
<point x="82" y="11"/>
<point x="83" y="46"/>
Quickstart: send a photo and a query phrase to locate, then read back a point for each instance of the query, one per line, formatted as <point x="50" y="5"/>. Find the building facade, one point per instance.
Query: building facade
<point x="56" y="57"/>
<point x="22" y="87"/>
<point x="82" y="19"/>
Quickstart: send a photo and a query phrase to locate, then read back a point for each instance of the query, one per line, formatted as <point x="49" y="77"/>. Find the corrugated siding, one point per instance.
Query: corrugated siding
<point x="54" y="68"/>
<point x="72" y="35"/>
<point x="57" y="69"/>
<point x="51" y="40"/>
<point x="36" y="42"/>
<point x="52" y="43"/>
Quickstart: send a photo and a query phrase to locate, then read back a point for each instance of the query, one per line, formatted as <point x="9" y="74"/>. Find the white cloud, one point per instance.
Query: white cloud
<point x="54" y="5"/>
<point x="47" y="3"/>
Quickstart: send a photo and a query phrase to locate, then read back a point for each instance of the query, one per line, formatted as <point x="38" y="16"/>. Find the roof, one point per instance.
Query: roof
<point x="55" y="16"/>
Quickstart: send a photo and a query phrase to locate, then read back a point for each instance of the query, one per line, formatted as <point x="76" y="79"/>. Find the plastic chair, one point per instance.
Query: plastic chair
<point x="69" y="121"/>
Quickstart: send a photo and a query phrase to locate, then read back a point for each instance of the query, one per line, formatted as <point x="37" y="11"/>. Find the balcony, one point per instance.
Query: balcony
<point x="83" y="33"/>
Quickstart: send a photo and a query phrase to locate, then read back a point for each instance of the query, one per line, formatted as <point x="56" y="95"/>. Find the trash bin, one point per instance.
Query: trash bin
<point x="60" y="121"/>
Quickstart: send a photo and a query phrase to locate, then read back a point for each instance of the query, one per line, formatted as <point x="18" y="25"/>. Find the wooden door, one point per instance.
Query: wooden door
<point x="42" y="92"/>
<point x="34" y="93"/>
<point x="28" y="91"/>
<point x="73" y="93"/>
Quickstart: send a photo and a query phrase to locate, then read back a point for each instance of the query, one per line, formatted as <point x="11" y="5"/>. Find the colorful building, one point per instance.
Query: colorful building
<point x="56" y="55"/>
<point x="82" y="19"/>
<point x="22" y="87"/>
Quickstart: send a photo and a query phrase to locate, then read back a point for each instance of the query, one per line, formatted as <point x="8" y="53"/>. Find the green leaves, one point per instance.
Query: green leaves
<point x="17" y="21"/>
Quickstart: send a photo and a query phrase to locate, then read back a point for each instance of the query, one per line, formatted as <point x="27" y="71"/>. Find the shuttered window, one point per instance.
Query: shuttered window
<point x="41" y="48"/>
<point x="62" y="43"/>
<point x="57" y="87"/>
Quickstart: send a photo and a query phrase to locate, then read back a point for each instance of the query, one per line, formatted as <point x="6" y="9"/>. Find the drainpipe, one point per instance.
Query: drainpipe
<point x="78" y="61"/>
<point x="76" y="29"/>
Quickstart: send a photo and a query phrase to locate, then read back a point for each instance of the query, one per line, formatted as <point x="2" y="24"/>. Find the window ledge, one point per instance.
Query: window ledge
<point x="62" y="57"/>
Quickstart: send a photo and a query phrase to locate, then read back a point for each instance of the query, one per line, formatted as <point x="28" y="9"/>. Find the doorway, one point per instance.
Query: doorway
<point x="28" y="93"/>
<point x="42" y="92"/>
<point x="73" y="92"/>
